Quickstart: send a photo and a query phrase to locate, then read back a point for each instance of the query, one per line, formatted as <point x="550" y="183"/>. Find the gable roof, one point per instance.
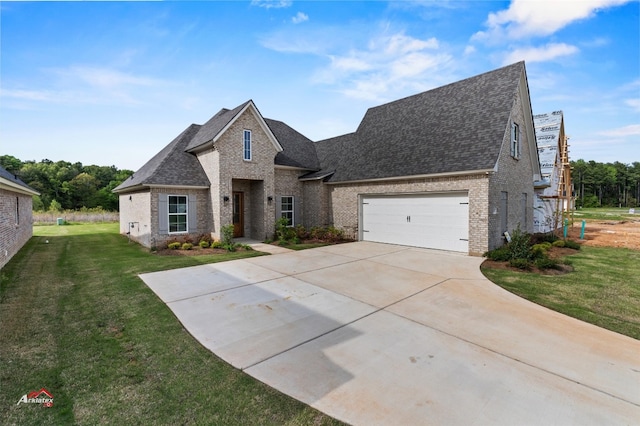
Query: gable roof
<point x="11" y="182"/>
<point x="171" y="166"/>
<point x="216" y="126"/>
<point x="297" y="149"/>
<point x="451" y="129"/>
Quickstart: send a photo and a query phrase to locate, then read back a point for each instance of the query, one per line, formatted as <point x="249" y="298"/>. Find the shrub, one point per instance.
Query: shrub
<point x="187" y="246"/>
<point x="301" y="233"/>
<point x="549" y="237"/>
<point x="174" y="245"/>
<point x="559" y="243"/>
<point x="204" y="244"/>
<point x="227" y="236"/>
<point x="540" y="250"/>
<point x="205" y="237"/>
<point x="317" y="233"/>
<point x="284" y="233"/>
<point x="572" y="244"/>
<point x="217" y="244"/>
<point x="546" y="263"/>
<point x="520" y="263"/>
<point x="520" y="245"/>
<point x="501" y="254"/>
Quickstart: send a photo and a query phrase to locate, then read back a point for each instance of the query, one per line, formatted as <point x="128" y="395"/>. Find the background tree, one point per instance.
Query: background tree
<point x="70" y="185"/>
<point x="606" y="184"/>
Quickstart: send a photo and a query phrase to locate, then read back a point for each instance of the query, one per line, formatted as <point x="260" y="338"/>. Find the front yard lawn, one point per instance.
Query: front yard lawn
<point x="603" y="289"/>
<point x="76" y="320"/>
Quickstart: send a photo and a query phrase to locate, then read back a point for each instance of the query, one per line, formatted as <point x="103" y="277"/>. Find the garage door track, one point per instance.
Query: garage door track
<point x="382" y="334"/>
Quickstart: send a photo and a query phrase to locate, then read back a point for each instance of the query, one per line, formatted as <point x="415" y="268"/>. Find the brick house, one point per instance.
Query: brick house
<point x="16" y="220"/>
<point x="452" y="168"/>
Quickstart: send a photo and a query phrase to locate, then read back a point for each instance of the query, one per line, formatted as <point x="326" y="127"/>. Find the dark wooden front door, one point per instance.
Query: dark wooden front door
<point x="238" y="214"/>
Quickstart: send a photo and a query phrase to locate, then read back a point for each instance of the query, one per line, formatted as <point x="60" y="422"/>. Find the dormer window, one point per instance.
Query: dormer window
<point x="246" y="153"/>
<point x="515" y="140"/>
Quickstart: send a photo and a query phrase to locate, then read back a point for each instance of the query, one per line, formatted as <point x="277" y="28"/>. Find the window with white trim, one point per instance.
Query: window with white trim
<point x="246" y="145"/>
<point x="286" y="209"/>
<point x="177" y="213"/>
<point x="515" y="140"/>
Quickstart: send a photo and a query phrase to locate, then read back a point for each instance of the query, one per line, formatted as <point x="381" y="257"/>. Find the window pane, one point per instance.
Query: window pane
<point x="247" y="145"/>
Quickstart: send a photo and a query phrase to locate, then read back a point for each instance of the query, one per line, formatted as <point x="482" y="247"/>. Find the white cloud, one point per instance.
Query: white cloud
<point x="105" y="78"/>
<point x="84" y="85"/>
<point x="271" y="4"/>
<point x="633" y="103"/>
<point x="388" y="65"/>
<point x="299" y="18"/>
<point x="525" y="18"/>
<point x="540" y="54"/>
<point x="469" y="50"/>
<point x="621" y="132"/>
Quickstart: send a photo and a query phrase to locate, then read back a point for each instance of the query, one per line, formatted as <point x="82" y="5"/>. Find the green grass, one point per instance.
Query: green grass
<point x="78" y="321"/>
<point x="304" y="246"/>
<point x="604" y="288"/>
<point x="606" y="213"/>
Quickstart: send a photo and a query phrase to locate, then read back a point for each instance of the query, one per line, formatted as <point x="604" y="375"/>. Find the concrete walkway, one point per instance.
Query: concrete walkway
<point x="382" y="334"/>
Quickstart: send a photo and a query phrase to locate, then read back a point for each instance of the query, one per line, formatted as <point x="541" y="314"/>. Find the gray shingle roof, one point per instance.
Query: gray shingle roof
<point x="171" y="166"/>
<point x="211" y="128"/>
<point x="298" y="150"/>
<point x="4" y="174"/>
<point x="455" y="128"/>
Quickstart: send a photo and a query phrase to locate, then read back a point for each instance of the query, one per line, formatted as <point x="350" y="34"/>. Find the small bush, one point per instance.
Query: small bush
<point x="174" y="245"/>
<point x="187" y="246"/>
<point x="227" y="236"/>
<point x="217" y="244"/>
<point x="559" y="243"/>
<point x="540" y="250"/>
<point x="546" y="263"/>
<point x="204" y="244"/>
<point x="544" y="238"/>
<point x="205" y="237"/>
<point x="501" y="254"/>
<point x="572" y="244"/>
<point x="520" y="245"/>
<point x="523" y="264"/>
<point x="284" y="233"/>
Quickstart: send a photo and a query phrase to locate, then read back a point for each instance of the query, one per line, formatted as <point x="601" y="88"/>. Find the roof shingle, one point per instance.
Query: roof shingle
<point x="171" y="166"/>
<point x="455" y="128"/>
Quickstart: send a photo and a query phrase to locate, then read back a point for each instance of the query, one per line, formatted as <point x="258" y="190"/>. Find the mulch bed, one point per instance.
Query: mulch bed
<point x="554" y="253"/>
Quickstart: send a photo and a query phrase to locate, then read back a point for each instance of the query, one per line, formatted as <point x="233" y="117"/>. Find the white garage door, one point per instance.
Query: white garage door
<point x="438" y="221"/>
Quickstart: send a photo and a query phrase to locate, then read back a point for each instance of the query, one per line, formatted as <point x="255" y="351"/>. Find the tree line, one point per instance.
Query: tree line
<point x="606" y="184"/>
<point x="63" y="185"/>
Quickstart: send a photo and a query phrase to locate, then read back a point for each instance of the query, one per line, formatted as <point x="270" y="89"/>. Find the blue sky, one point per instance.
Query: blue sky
<point x="111" y="83"/>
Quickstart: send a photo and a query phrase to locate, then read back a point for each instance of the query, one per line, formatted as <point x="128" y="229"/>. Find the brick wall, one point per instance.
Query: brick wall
<point x="317" y="204"/>
<point x="345" y="210"/>
<point x="225" y="165"/>
<point x="515" y="177"/>
<point x="142" y="208"/>
<point x="16" y="223"/>
<point x="135" y="216"/>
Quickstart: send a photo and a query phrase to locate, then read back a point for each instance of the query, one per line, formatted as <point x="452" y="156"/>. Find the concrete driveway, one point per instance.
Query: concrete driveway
<point x="381" y="334"/>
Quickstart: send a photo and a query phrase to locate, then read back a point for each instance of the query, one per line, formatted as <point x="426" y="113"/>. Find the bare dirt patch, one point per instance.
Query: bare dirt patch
<point x="609" y="233"/>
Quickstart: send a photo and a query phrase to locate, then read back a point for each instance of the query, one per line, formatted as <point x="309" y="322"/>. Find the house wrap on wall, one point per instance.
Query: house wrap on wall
<point x="553" y="194"/>
<point x="452" y="168"/>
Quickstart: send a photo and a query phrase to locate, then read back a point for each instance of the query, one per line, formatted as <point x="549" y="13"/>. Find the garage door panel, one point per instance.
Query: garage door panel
<point x="432" y="221"/>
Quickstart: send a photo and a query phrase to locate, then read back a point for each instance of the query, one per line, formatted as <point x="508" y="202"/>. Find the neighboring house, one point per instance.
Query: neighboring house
<point x="451" y="168"/>
<point x="16" y="220"/>
<point x="553" y="194"/>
